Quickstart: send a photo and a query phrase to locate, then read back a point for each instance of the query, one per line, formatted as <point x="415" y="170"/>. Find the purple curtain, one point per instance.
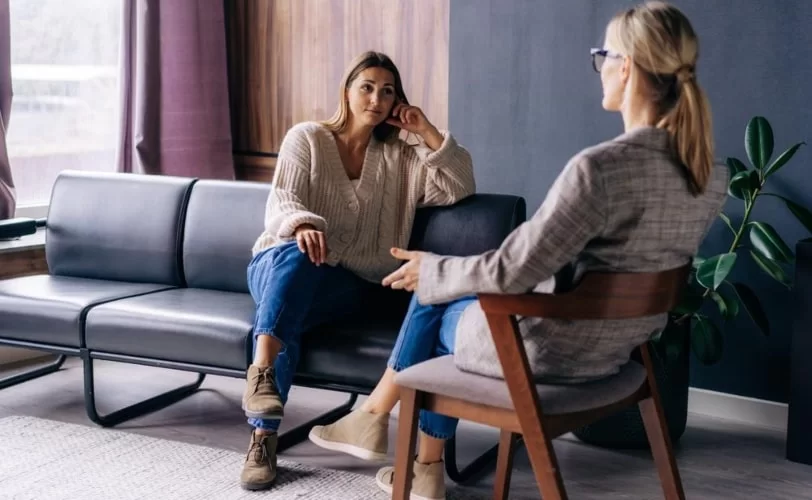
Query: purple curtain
<point x="7" y="197"/>
<point x="174" y="89"/>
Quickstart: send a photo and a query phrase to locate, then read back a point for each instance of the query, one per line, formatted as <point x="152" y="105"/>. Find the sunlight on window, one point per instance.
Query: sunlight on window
<point x="64" y="74"/>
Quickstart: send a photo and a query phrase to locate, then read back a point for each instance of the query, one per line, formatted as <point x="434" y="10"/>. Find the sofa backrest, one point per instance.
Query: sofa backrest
<point x="123" y="227"/>
<point x="475" y="225"/>
<point x="223" y="220"/>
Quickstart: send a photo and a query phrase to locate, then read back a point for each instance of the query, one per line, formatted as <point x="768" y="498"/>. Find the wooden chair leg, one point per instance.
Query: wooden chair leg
<point x="410" y="402"/>
<point x="504" y="464"/>
<point x="660" y="441"/>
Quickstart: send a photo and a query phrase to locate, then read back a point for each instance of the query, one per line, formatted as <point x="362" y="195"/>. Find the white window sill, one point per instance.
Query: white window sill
<point x="32" y="211"/>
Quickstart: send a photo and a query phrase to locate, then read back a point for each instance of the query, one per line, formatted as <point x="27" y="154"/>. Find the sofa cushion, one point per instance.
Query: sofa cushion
<point x="187" y="325"/>
<point x="122" y="227"/>
<point x="441" y="376"/>
<point x="223" y="221"/>
<point x="51" y="309"/>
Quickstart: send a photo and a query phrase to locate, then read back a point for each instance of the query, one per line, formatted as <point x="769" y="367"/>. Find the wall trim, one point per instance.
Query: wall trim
<point x="751" y="411"/>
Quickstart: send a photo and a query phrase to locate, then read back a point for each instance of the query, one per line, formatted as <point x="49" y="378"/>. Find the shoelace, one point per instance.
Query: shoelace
<point x="259" y="450"/>
<point x="263" y="377"/>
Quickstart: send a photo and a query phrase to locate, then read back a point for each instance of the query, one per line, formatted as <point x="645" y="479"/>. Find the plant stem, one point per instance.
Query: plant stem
<point x="748" y="207"/>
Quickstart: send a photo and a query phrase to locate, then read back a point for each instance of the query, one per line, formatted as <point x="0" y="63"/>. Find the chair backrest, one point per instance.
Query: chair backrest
<point x="599" y="295"/>
<point x="116" y="226"/>
<point x="223" y="220"/>
<point x="474" y="225"/>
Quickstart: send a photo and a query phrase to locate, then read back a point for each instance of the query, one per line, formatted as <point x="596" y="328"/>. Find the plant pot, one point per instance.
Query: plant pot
<point x="625" y="430"/>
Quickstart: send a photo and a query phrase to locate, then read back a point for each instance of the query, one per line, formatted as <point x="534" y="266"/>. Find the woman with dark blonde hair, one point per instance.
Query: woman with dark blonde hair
<point x="641" y="202"/>
<point x="344" y="192"/>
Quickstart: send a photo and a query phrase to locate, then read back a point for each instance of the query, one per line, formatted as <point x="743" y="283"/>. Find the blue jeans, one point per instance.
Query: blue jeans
<point x="292" y="296"/>
<point x="429" y="332"/>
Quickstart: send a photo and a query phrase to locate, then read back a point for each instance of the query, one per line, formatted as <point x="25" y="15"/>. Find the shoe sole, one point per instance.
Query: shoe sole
<point x="263" y="416"/>
<point x="388" y="489"/>
<point x="257" y="486"/>
<point x="356" y="451"/>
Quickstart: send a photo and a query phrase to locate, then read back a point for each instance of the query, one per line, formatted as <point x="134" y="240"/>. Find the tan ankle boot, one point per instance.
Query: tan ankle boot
<point x="261" y="399"/>
<point x="428" y="481"/>
<point x="259" y="469"/>
<point x="360" y="434"/>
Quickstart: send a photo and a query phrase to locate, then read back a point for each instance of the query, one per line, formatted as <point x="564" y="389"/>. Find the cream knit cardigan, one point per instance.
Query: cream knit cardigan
<point x="361" y="223"/>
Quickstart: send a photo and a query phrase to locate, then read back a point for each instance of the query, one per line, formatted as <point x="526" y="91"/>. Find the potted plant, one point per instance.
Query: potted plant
<point x="690" y="328"/>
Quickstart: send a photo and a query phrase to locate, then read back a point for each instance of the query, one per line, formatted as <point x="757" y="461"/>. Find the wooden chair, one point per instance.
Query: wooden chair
<point x="540" y="413"/>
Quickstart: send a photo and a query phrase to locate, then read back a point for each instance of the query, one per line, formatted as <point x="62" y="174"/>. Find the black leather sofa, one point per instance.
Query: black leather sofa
<point x="152" y="270"/>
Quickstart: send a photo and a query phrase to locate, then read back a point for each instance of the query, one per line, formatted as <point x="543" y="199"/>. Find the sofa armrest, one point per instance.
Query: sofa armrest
<point x="472" y="226"/>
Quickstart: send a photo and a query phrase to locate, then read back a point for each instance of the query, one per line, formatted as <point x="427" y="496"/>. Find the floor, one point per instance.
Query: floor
<point x="717" y="459"/>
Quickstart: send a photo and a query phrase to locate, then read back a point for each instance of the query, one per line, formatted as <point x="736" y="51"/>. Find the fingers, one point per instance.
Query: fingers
<point x="312" y="247"/>
<point x="401" y="254"/>
<point x="322" y="248"/>
<point x="393" y="277"/>
<point x="300" y="242"/>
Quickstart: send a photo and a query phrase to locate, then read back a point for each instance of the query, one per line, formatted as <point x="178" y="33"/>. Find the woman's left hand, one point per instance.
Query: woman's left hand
<point x="408" y="275"/>
<point x="411" y="119"/>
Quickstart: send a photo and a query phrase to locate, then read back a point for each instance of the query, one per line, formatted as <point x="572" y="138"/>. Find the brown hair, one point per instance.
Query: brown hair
<point x="663" y="45"/>
<point x="383" y="131"/>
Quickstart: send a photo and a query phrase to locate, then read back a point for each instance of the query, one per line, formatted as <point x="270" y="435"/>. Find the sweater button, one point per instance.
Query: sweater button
<point x="352" y="206"/>
<point x="345" y="237"/>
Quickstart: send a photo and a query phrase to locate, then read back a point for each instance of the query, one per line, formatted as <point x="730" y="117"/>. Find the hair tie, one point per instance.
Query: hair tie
<point x="685" y="73"/>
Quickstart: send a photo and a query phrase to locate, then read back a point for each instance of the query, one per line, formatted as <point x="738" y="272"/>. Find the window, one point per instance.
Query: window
<point x="64" y="74"/>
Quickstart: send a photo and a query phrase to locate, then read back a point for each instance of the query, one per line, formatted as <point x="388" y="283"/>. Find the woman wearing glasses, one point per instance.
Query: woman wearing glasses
<point x="640" y="202"/>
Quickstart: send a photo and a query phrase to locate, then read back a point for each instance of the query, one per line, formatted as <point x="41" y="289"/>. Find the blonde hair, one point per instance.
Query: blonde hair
<point x="383" y="131"/>
<point x="663" y="45"/>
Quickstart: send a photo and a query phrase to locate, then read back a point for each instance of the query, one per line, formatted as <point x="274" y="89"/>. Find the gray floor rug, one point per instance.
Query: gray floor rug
<point x="42" y="459"/>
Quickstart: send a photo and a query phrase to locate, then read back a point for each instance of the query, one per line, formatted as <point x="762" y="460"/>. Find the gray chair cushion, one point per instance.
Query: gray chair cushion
<point x="50" y="309"/>
<point x="187" y="325"/>
<point x="121" y="227"/>
<point x="223" y="221"/>
<point x="441" y="376"/>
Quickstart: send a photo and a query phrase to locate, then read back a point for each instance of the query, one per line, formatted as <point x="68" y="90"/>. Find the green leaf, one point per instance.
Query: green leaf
<point x="770" y="267"/>
<point x="803" y="215"/>
<point x="706" y="340"/>
<point x="735" y="165"/>
<point x="766" y="239"/>
<point x="753" y="307"/>
<point x="720" y="303"/>
<point x="697" y="261"/>
<point x="713" y="271"/>
<point x="744" y="184"/>
<point x="758" y="141"/>
<point x="726" y="219"/>
<point x="782" y="159"/>
<point x="732" y="302"/>
<point x="728" y="306"/>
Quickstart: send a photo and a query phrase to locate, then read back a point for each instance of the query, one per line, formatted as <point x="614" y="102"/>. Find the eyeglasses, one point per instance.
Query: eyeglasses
<point x="599" y="57"/>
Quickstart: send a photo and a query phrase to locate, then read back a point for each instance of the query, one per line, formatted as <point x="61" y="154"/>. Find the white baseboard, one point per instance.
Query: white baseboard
<point x="741" y="409"/>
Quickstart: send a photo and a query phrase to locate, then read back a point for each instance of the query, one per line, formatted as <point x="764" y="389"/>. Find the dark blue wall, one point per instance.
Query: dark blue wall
<point x="524" y="99"/>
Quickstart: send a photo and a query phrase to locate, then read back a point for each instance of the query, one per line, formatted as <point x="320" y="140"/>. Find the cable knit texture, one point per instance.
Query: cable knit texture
<point x="361" y="223"/>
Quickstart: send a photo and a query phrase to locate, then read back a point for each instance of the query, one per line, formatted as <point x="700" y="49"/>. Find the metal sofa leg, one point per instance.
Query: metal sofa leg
<point x="299" y="434"/>
<point x="33" y="373"/>
<point x="148" y="406"/>
<point x="473" y="471"/>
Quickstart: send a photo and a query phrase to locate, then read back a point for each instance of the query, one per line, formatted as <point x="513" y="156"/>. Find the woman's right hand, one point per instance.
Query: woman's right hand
<point x="312" y="242"/>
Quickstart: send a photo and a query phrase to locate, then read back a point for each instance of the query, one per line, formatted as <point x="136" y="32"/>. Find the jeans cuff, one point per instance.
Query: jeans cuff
<point x="396" y="367"/>
<point x="265" y="425"/>
<point x="435" y="435"/>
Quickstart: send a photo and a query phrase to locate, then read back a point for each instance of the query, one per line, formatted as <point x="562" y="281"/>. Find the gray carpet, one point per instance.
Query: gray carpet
<point x="42" y="459"/>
